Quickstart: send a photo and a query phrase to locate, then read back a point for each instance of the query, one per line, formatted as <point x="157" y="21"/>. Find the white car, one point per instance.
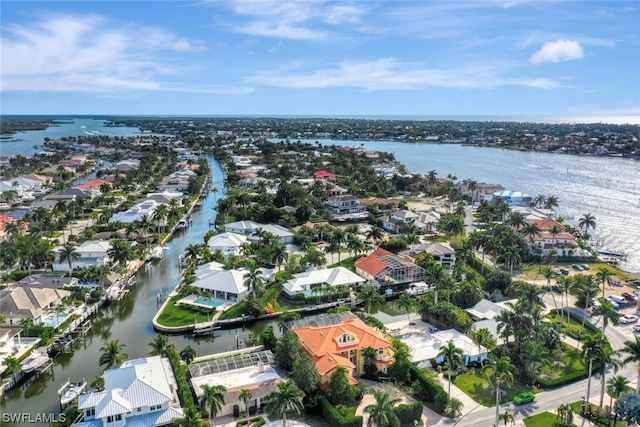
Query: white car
<point x="628" y="318"/>
<point x="636" y="328"/>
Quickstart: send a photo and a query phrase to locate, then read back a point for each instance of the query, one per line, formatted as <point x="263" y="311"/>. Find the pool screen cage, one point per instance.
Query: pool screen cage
<point x="232" y="363"/>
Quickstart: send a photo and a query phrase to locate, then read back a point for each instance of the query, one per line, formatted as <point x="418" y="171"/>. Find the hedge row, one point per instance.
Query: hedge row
<point x="334" y="418"/>
<point x="180" y="371"/>
<point x="409" y="412"/>
<point x="428" y="389"/>
<point x="252" y="422"/>
<point x="566" y="379"/>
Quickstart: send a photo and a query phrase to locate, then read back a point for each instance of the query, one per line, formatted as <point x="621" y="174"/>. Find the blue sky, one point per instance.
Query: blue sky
<point x="320" y="57"/>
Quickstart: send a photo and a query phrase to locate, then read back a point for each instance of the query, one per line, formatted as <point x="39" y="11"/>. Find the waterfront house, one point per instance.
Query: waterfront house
<point x="563" y="243"/>
<point x="309" y="280"/>
<point x="226" y="285"/>
<point x="442" y="252"/>
<point x="227" y="243"/>
<point x="424" y="348"/>
<point x="325" y="175"/>
<point x="32" y="297"/>
<point x="394" y="222"/>
<point x="136" y="212"/>
<point x="513" y="198"/>
<point x="142" y="392"/>
<point x="479" y="191"/>
<point x="252" y="229"/>
<point x="90" y="252"/>
<point x="386" y="268"/>
<point x="95" y="184"/>
<point x="342" y="344"/>
<point x="126" y="165"/>
<point x="427" y="220"/>
<point x="255" y="372"/>
<point x="346" y="207"/>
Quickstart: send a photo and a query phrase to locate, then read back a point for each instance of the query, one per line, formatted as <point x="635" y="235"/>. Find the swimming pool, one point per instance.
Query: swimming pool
<point x="208" y="302"/>
<point x="53" y="320"/>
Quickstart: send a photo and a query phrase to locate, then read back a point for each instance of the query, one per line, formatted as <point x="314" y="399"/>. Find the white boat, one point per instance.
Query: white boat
<point x="114" y="293"/>
<point x="70" y="392"/>
<point x="35" y="360"/>
<point x="156" y="253"/>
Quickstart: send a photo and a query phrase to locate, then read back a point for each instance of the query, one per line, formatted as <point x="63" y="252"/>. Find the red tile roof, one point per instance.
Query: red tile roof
<point x="546" y="224"/>
<point x="320" y="341"/>
<point x="372" y="264"/>
<point x="325" y="174"/>
<point x="93" y="183"/>
<point x="327" y="363"/>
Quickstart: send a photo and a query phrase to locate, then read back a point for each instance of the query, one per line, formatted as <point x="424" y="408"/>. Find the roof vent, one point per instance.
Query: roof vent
<point x="321" y="333"/>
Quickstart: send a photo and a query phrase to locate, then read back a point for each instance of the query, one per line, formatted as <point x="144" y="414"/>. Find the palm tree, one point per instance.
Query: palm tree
<point x="286" y="397"/>
<point x="506" y="417"/>
<point x="370" y="294"/>
<point x="484" y="340"/>
<point x="604" y="276"/>
<point x="436" y="274"/>
<point x="608" y="314"/>
<point x="406" y="302"/>
<point x="381" y="413"/>
<point x="376" y="234"/>
<point x="120" y="252"/>
<point x="245" y="395"/>
<point x="193" y="252"/>
<point x="213" y="398"/>
<point x="254" y="280"/>
<point x="453" y="356"/>
<point x="68" y="252"/>
<point x="615" y="386"/>
<point x="565" y="415"/>
<point x="607" y="359"/>
<point x="586" y="222"/>
<point x="551" y="202"/>
<point x="594" y="345"/>
<point x="192" y="418"/>
<point x="432" y="178"/>
<point x="160" y="346"/>
<point x="632" y="348"/>
<point x="111" y="355"/>
<point x="160" y="215"/>
<point x="188" y="354"/>
<point x="517" y="220"/>
<point x="502" y="373"/>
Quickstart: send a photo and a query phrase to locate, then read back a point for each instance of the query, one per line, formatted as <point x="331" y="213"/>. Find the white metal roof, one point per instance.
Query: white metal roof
<point x="227" y="240"/>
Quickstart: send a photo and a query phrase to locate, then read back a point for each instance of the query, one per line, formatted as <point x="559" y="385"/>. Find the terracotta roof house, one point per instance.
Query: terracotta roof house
<point x="343" y="344"/>
<point x="387" y="268"/>
<point x="325" y="175"/>
<point x="94" y="184"/>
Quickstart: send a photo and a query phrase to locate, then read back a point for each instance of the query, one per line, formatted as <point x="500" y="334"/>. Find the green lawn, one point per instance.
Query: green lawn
<point x="173" y="315"/>
<point x="475" y="384"/>
<point x="237" y="310"/>
<point x="578" y="408"/>
<point x="348" y="263"/>
<point x="545" y="419"/>
<point x="572" y="364"/>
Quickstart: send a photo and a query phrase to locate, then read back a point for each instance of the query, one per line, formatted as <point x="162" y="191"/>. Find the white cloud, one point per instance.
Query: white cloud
<point x="556" y="51"/>
<point x="73" y="53"/>
<point x="282" y="31"/>
<point x="390" y="74"/>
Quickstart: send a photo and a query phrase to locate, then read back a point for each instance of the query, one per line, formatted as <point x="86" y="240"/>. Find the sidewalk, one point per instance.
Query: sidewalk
<point x="470" y="405"/>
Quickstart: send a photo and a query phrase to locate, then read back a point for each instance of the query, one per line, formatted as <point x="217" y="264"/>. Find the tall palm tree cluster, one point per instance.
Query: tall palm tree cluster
<point x="530" y="342"/>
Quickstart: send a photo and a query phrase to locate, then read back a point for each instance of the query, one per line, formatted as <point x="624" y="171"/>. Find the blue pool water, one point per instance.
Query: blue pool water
<point x="53" y="320"/>
<point x="209" y="302"/>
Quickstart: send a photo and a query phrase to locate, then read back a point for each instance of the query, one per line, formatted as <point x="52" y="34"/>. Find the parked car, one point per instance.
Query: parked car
<point x="577" y="267"/>
<point x="563" y="271"/>
<point x="584" y="266"/>
<point x="628" y="318"/>
<point x="524" y="397"/>
<point x="636" y="328"/>
<point x="629" y="297"/>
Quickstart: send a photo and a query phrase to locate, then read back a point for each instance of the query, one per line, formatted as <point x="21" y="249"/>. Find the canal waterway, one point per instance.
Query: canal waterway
<point x="129" y="321"/>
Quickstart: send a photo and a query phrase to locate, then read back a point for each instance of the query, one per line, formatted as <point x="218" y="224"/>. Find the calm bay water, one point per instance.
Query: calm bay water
<point x="606" y="187"/>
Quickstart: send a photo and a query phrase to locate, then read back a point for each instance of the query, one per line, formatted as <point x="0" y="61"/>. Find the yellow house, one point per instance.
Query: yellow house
<point x="343" y="344"/>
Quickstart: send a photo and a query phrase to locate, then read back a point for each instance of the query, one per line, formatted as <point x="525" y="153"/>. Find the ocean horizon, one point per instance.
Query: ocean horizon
<point x="616" y="119"/>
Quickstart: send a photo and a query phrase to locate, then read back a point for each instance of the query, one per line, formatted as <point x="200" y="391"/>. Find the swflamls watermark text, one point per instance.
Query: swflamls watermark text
<point x="28" y="418"/>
